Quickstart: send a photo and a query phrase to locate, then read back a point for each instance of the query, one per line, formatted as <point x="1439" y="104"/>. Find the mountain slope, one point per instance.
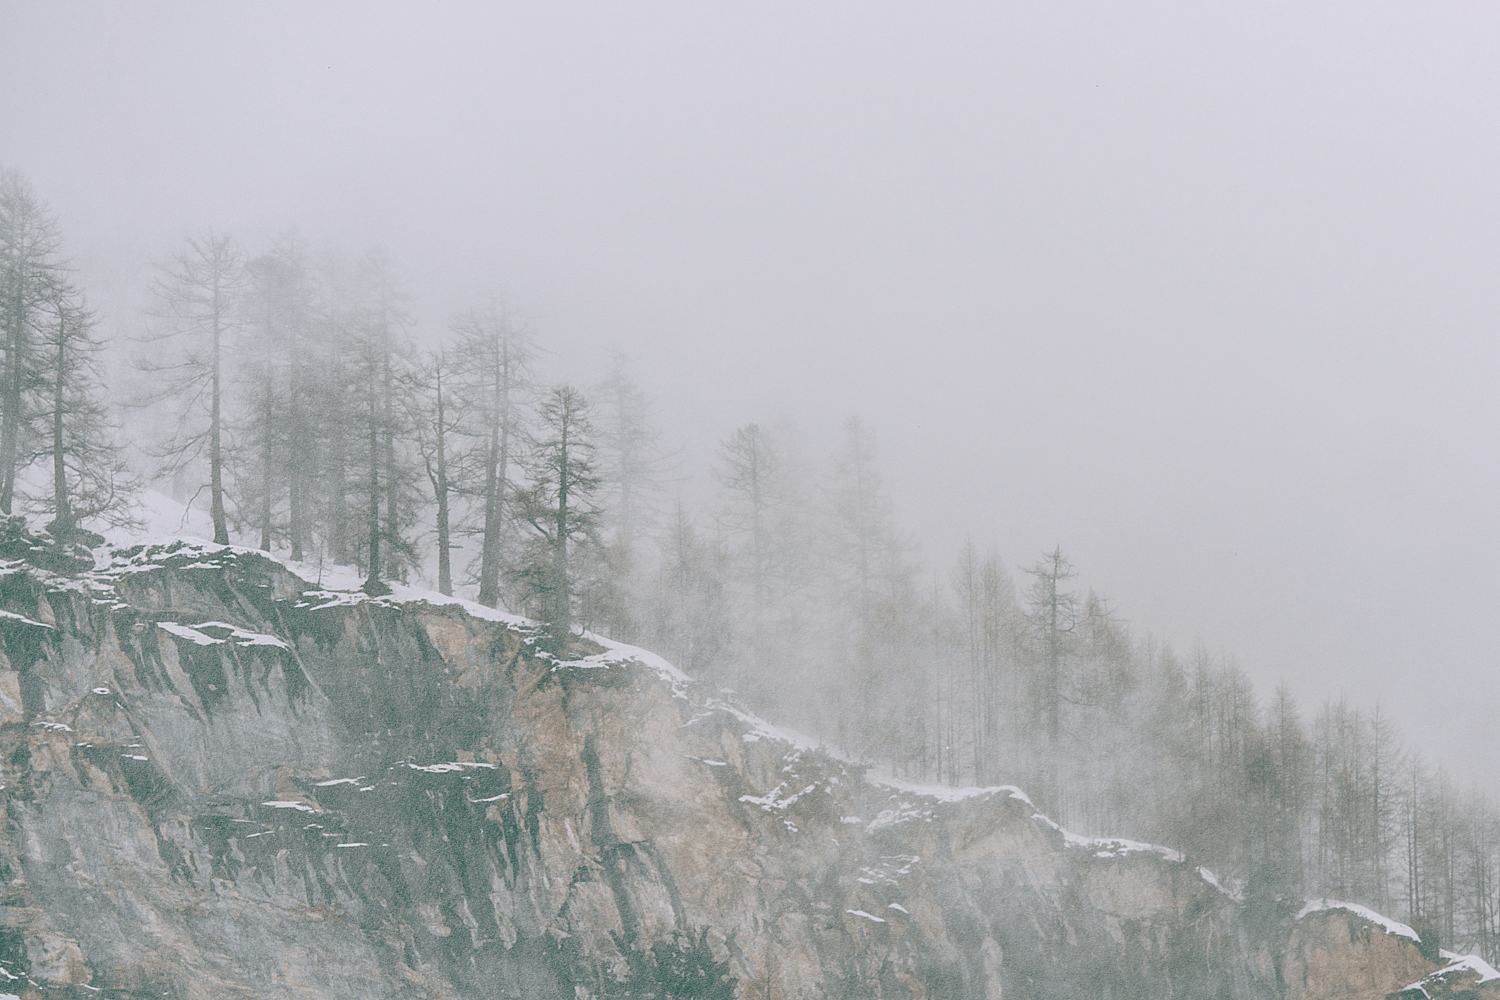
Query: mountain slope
<point x="223" y="781"/>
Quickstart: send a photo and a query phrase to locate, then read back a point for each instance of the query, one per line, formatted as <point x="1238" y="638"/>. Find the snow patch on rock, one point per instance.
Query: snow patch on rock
<point x="867" y="916"/>
<point x="1109" y="847"/>
<point x="1235" y="890"/>
<point x="1391" y="926"/>
<point x="1472" y="963"/>
<point x="945" y="793"/>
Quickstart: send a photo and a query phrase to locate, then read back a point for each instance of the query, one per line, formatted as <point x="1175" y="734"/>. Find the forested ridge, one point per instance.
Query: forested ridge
<point x="286" y="391"/>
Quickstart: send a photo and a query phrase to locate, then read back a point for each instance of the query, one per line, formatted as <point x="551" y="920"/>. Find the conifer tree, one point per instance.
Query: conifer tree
<point x="438" y="421"/>
<point x="862" y="541"/>
<point x="88" y="477"/>
<point x="197" y="302"/>
<point x="687" y="614"/>
<point x="288" y="381"/>
<point x="559" y="504"/>
<point x="386" y="349"/>
<point x="341" y="323"/>
<point x="278" y="373"/>
<point x="748" y="475"/>
<point x="986" y="607"/>
<point x="375" y="410"/>
<point x="33" y="277"/>
<point x="496" y="378"/>
<point x="1053" y="618"/>
<point x="632" y="464"/>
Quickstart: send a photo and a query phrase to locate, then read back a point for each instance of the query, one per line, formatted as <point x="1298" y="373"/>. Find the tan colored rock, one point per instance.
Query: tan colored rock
<point x="11" y="709"/>
<point x="56" y="960"/>
<point x="1336" y="954"/>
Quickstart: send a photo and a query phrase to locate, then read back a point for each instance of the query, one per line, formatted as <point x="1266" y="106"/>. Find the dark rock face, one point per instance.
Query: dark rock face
<point x="220" y="782"/>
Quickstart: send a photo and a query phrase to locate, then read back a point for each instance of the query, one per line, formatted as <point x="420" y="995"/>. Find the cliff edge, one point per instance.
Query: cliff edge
<point x="222" y="781"/>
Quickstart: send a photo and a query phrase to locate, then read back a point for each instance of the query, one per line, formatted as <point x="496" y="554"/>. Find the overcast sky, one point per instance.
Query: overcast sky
<point x="1204" y="293"/>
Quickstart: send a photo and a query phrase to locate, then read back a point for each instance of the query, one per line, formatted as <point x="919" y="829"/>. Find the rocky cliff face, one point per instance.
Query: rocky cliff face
<point x="222" y="782"/>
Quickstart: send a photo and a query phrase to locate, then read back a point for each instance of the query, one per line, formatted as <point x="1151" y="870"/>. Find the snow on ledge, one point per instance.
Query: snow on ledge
<point x="11" y="616"/>
<point x="944" y="793"/>
<point x="240" y="636"/>
<point x="1235" y="891"/>
<point x="169" y="525"/>
<point x="1472" y="963"/>
<point x="1391" y="926"/>
<point x="1118" y="847"/>
<point x="442" y="767"/>
<point x="184" y="632"/>
<point x="327" y="595"/>
<point x="1109" y="847"/>
<point x="1456" y="963"/>
<point x="622" y="652"/>
<point x="1100" y="847"/>
<point x="760" y="729"/>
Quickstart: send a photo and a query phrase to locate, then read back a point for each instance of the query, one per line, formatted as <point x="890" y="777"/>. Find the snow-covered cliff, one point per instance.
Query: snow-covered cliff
<point x="222" y="781"/>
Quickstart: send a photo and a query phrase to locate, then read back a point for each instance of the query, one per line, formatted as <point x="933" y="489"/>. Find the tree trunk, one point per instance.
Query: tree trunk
<point x="268" y="415"/>
<point x="215" y="455"/>
<point x="392" y="481"/>
<point x="373" y="580"/>
<point x="561" y="604"/>
<point x="295" y="456"/>
<point x="1053" y="666"/>
<point x="298" y="446"/>
<point x="11" y="416"/>
<point x="497" y="460"/>
<point x="62" y="526"/>
<point x="338" y="503"/>
<point x="489" y="562"/>
<point x="440" y="493"/>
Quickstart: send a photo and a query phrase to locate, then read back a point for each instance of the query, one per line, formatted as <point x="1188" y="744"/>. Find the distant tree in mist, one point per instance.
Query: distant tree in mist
<point x="875" y="618"/>
<point x="990" y="625"/>
<point x="1354" y="781"/>
<point x="279" y="380"/>
<point x="89" y="479"/>
<point x="33" y="276"/>
<point x="437" y="418"/>
<point x="52" y="398"/>
<point x="633" y="472"/>
<point x="496" y="381"/>
<point x="560" y="502"/>
<point x="867" y="553"/>
<point x="342" y="413"/>
<point x="387" y="350"/>
<point x="1279" y="774"/>
<point x="388" y="478"/>
<point x="197" y="299"/>
<point x="687" y="613"/>
<point x="753" y="514"/>
<point x="327" y="459"/>
<point x="633" y="466"/>
<point x="1053" y="617"/>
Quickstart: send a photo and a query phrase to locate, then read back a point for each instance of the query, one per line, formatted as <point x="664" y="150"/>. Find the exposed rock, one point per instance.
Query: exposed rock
<point x="221" y="782"/>
<point x="1337" y="952"/>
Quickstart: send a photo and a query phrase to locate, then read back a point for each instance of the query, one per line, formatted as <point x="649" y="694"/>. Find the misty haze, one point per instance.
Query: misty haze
<point x="749" y="502"/>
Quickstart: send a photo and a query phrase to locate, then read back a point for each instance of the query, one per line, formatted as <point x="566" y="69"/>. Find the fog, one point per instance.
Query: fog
<point x="1204" y="296"/>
